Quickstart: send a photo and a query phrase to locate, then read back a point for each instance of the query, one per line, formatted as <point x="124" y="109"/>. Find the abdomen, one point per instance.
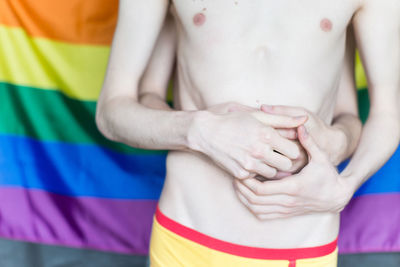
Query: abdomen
<point x="200" y="195"/>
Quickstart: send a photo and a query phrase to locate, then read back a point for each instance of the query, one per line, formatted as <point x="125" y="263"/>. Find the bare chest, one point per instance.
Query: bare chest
<point x="214" y="21"/>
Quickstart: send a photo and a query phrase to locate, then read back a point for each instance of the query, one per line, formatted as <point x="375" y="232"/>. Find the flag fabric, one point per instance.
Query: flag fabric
<point x="62" y="183"/>
<point x="371" y="221"/>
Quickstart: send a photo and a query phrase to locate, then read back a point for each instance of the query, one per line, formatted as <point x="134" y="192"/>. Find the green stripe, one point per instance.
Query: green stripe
<point x="363" y="104"/>
<point x="76" y="70"/>
<point x="51" y="116"/>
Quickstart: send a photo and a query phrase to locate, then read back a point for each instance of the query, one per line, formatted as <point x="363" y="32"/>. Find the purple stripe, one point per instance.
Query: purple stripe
<point x="121" y="226"/>
<point x="371" y="223"/>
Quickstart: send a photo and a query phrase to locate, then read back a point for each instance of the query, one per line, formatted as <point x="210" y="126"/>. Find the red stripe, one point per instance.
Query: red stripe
<point x="243" y="251"/>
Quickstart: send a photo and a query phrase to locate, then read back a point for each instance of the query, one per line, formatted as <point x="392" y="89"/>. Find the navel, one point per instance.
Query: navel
<point x="199" y="19"/>
<point x="326" y="25"/>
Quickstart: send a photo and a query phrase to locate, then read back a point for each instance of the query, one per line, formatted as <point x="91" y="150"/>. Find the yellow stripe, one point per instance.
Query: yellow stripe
<point x="360" y="74"/>
<point x="75" y="70"/>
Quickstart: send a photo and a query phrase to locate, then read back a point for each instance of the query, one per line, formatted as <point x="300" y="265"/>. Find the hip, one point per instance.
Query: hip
<point x="200" y="195"/>
<point x="173" y="244"/>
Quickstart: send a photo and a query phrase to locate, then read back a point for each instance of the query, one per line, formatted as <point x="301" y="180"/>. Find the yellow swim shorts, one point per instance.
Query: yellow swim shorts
<point x="173" y="245"/>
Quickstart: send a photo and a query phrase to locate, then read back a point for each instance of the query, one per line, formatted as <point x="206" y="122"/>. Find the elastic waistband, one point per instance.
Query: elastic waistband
<point x="240" y="250"/>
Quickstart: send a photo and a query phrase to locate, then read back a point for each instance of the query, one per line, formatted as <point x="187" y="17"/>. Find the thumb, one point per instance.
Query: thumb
<point x="307" y="141"/>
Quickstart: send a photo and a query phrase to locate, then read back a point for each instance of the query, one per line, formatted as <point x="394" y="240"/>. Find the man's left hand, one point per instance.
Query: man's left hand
<point x="317" y="188"/>
<point x="331" y="139"/>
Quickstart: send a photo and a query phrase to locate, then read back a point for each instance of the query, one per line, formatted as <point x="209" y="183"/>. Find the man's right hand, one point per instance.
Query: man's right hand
<point x="245" y="141"/>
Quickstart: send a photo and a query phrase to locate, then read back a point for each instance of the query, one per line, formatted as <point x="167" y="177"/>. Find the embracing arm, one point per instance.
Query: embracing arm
<point x="246" y="141"/>
<point x="377" y="31"/>
<point x="346" y="118"/>
<point x="154" y="83"/>
<point x="318" y="187"/>
<point x="340" y="138"/>
<point x="119" y="114"/>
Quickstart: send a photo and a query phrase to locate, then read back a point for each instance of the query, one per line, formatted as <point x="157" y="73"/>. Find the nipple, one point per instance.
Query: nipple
<point x="326" y="25"/>
<point x="199" y="19"/>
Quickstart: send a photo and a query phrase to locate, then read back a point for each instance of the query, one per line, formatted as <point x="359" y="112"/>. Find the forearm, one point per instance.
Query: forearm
<point x="379" y="46"/>
<point x="379" y="139"/>
<point x="349" y="131"/>
<point x="124" y="120"/>
<point x="154" y="101"/>
<point x="346" y="119"/>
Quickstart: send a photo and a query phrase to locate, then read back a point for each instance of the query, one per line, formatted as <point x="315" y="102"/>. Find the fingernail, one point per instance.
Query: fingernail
<point x="266" y="107"/>
<point x="300" y="117"/>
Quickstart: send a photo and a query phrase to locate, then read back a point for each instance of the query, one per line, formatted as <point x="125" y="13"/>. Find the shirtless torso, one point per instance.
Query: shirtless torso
<point x="252" y="52"/>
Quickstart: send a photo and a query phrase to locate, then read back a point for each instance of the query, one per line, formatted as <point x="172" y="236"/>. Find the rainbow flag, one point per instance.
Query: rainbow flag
<point x="371" y="221"/>
<point x="62" y="183"/>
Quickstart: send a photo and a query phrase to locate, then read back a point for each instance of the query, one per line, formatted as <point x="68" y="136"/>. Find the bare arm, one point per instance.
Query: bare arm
<point x="154" y="83"/>
<point x="333" y="144"/>
<point x="343" y="134"/>
<point x="346" y="118"/>
<point x="119" y="115"/>
<point x="340" y="138"/>
<point x="377" y="31"/>
<point x="244" y="146"/>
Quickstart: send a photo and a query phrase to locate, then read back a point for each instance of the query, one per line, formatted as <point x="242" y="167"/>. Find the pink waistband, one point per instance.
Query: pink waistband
<point x="243" y="251"/>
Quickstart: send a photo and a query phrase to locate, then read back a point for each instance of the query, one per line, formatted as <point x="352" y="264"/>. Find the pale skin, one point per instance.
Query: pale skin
<point x="338" y="140"/>
<point x="212" y="148"/>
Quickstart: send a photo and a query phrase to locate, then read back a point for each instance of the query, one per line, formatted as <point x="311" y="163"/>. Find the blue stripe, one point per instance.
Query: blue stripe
<point x="88" y="170"/>
<point x="79" y="169"/>
<point x="386" y="180"/>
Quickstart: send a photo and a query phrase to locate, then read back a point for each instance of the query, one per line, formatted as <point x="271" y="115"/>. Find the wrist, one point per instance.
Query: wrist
<point x="340" y="143"/>
<point x="350" y="185"/>
<point x="196" y="131"/>
<point x="348" y="128"/>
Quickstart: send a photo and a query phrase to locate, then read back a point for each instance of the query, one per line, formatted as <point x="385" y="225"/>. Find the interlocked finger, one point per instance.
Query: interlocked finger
<point x="284" y="146"/>
<point x="287" y="186"/>
<point x="288" y="133"/>
<point x="285" y="110"/>
<point x="262" y="210"/>
<point x="278" y="161"/>
<point x="252" y="198"/>
<point x="279" y="121"/>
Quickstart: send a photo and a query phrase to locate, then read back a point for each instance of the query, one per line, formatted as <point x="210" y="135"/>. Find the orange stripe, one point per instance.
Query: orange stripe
<point x="73" y="21"/>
